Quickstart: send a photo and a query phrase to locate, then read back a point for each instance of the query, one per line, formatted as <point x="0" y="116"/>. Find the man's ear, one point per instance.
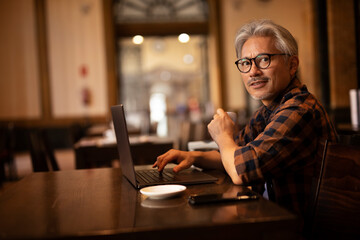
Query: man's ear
<point x="294" y="65"/>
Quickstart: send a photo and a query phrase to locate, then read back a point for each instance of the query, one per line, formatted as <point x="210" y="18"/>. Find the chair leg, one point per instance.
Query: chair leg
<point x="38" y="156"/>
<point x="49" y="151"/>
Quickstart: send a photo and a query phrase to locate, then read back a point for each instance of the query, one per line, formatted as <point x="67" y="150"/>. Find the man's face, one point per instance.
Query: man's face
<point x="267" y="84"/>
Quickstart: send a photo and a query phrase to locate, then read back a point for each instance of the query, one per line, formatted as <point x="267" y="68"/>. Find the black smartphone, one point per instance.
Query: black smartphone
<point x="218" y="198"/>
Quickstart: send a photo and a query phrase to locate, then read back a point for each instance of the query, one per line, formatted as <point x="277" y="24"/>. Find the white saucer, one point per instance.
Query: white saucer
<point x="162" y="191"/>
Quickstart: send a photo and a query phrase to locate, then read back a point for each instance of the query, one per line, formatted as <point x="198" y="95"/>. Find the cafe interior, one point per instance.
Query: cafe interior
<point x="65" y="63"/>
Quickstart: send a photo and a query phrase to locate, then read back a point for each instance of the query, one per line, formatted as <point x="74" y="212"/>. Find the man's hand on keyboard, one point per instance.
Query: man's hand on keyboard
<point x="182" y="158"/>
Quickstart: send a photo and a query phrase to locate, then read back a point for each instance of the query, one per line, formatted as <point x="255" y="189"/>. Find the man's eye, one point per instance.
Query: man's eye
<point x="263" y="59"/>
<point x="245" y="63"/>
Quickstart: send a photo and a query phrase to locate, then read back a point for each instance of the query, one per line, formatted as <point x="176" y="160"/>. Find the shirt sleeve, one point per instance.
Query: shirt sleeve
<point x="284" y="145"/>
<point x="251" y="130"/>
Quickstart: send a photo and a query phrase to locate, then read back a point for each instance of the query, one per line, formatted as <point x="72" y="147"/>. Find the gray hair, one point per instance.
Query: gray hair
<point x="284" y="41"/>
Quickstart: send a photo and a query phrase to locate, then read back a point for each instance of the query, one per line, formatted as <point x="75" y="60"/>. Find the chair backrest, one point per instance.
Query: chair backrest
<point x="192" y="131"/>
<point x="7" y="149"/>
<point x="337" y="200"/>
<point x="42" y="154"/>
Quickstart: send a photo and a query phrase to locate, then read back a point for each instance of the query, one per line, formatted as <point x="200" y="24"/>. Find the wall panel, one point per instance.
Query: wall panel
<point x="76" y="49"/>
<point x="19" y="73"/>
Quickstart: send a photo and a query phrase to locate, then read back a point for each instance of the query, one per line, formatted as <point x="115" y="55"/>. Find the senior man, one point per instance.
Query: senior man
<point x="279" y="144"/>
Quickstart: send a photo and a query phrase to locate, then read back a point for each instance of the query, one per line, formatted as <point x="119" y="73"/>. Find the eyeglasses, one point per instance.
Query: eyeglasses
<point x="261" y="61"/>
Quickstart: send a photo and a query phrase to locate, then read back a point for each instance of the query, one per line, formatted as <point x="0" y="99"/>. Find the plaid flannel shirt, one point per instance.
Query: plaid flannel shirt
<point x="281" y="145"/>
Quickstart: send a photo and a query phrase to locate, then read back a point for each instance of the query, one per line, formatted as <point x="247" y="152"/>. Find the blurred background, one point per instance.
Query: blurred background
<point x="64" y="63"/>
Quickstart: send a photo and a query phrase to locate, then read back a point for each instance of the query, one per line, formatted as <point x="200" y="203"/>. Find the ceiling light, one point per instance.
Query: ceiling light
<point x="184" y="38"/>
<point x="138" y="39"/>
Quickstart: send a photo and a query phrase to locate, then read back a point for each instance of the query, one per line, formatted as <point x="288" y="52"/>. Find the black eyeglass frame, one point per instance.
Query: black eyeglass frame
<point x="253" y="60"/>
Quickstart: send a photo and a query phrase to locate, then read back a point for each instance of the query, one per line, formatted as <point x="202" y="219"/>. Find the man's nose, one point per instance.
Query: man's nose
<point x="254" y="71"/>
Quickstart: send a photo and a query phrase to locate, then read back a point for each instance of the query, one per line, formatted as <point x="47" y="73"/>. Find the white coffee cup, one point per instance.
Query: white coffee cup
<point x="232" y="115"/>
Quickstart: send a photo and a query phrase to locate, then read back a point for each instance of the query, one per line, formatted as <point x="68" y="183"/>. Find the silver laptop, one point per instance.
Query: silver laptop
<point x="147" y="177"/>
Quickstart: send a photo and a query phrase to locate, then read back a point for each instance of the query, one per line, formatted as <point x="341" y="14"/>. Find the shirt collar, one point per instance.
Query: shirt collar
<point x="294" y="83"/>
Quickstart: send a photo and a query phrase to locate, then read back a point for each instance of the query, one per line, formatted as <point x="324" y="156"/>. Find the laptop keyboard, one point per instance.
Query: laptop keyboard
<point x="153" y="175"/>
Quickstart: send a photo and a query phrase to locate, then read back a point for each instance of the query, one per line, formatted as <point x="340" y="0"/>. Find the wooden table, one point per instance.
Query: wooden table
<point x="100" y="203"/>
<point x="95" y="152"/>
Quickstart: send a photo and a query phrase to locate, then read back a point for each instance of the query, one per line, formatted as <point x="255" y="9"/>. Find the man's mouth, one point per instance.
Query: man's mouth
<point x="257" y="82"/>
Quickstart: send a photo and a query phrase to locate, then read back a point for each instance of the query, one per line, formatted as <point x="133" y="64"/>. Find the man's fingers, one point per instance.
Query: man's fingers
<point x="184" y="164"/>
<point x="173" y="155"/>
<point x="159" y="160"/>
<point x="179" y="167"/>
<point x="164" y="159"/>
<point x="220" y="111"/>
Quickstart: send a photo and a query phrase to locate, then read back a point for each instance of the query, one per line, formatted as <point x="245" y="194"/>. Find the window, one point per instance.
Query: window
<point x="164" y="75"/>
<point x="162" y="80"/>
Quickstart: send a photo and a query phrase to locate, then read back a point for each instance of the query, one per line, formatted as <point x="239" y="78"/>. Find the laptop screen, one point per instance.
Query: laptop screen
<point x="123" y="144"/>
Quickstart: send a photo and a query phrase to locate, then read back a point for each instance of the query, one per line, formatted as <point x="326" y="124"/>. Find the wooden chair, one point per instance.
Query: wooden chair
<point x="336" y="212"/>
<point x="185" y="130"/>
<point x="42" y="154"/>
<point x="7" y="149"/>
<point x="192" y="131"/>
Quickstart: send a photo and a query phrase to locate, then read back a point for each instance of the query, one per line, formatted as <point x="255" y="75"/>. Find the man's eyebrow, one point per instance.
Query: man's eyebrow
<point x="263" y="53"/>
